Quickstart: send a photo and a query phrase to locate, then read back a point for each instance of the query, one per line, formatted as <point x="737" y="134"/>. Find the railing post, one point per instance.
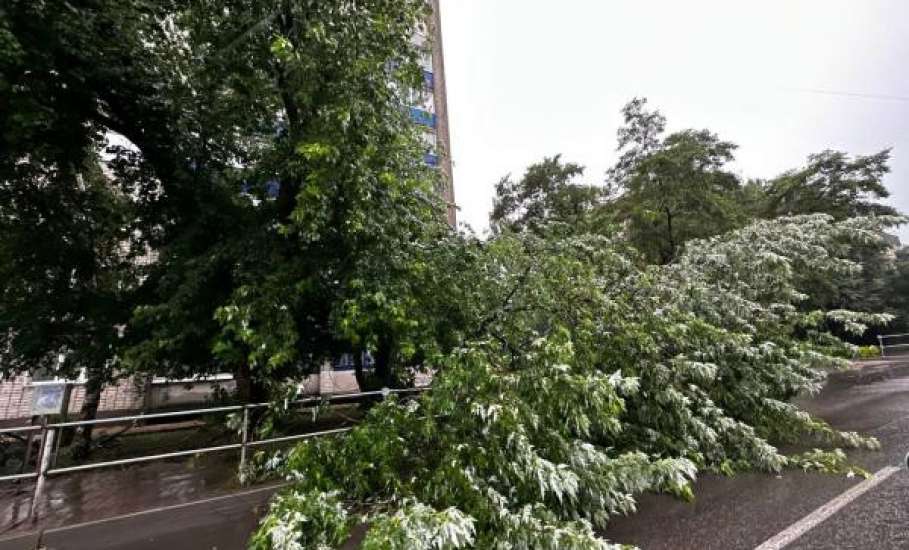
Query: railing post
<point x="47" y="446"/>
<point x="880" y="342"/>
<point x="28" y="448"/>
<point x="244" y="441"/>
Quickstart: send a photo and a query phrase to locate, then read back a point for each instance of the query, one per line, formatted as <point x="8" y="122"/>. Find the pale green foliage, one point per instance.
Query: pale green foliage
<point x="416" y="527"/>
<point x="834" y="462"/>
<point x="586" y="380"/>
<point x="301" y="521"/>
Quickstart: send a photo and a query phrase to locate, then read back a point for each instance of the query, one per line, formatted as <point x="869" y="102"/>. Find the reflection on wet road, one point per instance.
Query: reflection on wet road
<point x="111" y="492"/>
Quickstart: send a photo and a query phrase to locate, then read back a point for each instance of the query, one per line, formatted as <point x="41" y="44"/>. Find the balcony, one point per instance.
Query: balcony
<point x="423" y="118"/>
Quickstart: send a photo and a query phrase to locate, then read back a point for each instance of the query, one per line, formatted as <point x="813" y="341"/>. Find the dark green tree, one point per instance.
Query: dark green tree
<point x="671" y="188"/>
<point x="832" y="183"/>
<point x="549" y="192"/>
<point x="68" y="271"/>
<point x="69" y="250"/>
<point x="898" y="290"/>
<point x="266" y="157"/>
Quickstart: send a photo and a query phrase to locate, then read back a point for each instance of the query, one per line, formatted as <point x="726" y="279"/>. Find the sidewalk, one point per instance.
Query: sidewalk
<point x="218" y="523"/>
<point x="100" y="494"/>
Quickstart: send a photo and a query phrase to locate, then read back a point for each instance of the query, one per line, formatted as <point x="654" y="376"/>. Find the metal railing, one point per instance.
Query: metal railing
<point x="49" y="433"/>
<point x="883" y="343"/>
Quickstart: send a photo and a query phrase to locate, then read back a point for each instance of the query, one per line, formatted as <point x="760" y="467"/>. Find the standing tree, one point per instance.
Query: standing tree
<point x="671" y="188"/>
<point x="265" y="154"/>
<point x="547" y="193"/>
<point x="898" y="290"/>
<point x="68" y="274"/>
<point x="831" y="183"/>
<point x="68" y="249"/>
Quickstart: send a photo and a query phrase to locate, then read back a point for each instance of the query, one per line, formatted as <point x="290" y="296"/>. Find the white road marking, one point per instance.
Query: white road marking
<point x="799" y="528"/>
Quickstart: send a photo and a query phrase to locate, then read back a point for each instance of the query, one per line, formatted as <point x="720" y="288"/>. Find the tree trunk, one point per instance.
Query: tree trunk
<point x="94" y="385"/>
<point x="383" y="361"/>
<point x="670" y="253"/>
<point x="249" y="390"/>
<point x="244" y="383"/>
<point x="358" y="369"/>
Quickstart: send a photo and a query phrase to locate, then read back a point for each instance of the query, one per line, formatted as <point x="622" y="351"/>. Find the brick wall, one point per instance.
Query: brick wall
<point x="123" y="395"/>
<point x="15" y="398"/>
<point x="126" y="395"/>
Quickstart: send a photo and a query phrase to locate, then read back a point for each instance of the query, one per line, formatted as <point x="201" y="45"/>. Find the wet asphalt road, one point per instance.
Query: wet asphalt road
<point x="743" y="512"/>
<point x="220" y="523"/>
<point x="728" y="513"/>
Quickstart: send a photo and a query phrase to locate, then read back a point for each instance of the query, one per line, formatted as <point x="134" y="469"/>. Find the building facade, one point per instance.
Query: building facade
<point x="430" y="109"/>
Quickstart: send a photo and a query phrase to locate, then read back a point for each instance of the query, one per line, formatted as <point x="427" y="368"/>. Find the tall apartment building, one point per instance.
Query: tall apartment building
<point x="430" y="109"/>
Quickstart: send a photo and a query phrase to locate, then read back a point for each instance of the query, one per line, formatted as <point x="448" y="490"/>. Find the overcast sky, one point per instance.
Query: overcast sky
<point x="781" y="78"/>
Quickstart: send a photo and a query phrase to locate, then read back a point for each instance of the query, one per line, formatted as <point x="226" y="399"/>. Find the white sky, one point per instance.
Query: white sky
<point x="532" y="78"/>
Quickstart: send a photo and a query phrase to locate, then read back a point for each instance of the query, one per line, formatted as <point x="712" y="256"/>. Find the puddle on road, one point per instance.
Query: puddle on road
<point x="87" y="496"/>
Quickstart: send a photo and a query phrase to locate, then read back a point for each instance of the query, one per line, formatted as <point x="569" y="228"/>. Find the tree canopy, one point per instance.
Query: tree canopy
<point x="587" y="381"/>
<point x="269" y="172"/>
<point x="548" y="192"/>
<point x="672" y="188"/>
<point x="833" y="183"/>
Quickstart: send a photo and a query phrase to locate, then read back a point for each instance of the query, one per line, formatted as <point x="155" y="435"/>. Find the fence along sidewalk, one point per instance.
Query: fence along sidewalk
<point x="884" y="343"/>
<point x="50" y="431"/>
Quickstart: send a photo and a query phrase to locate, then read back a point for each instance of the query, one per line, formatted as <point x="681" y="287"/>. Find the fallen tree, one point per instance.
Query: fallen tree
<point x="585" y="380"/>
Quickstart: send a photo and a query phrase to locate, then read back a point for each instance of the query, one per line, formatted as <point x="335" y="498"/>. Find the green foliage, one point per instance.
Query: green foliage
<point x="66" y="272"/>
<point x="897" y="285"/>
<point x="869" y="352"/>
<point x="671" y="188"/>
<point x="838" y="185"/>
<point x="417" y="526"/>
<point x="67" y="251"/>
<point x="235" y="186"/>
<point x="584" y="380"/>
<point x="831" y="462"/>
<point x="831" y="183"/>
<point x="303" y="520"/>
<point x="271" y="176"/>
<point x="547" y="194"/>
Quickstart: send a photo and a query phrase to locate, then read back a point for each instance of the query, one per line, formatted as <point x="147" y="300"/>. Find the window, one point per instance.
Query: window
<point x="346" y="362"/>
<point x="429" y="138"/>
